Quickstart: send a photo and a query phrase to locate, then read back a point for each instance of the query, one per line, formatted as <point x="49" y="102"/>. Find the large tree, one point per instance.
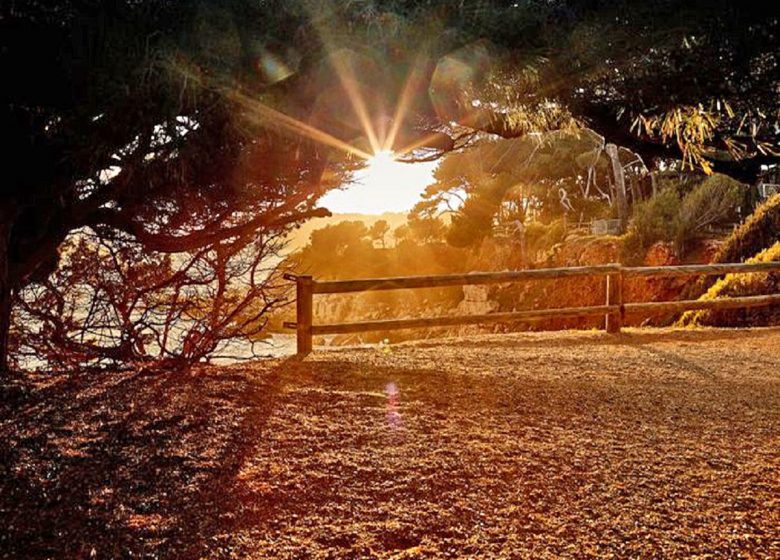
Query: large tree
<point x="694" y="81"/>
<point x="139" y="117"/>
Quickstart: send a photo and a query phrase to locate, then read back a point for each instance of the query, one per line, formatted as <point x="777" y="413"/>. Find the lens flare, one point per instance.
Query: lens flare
<point x="393" y="401"/>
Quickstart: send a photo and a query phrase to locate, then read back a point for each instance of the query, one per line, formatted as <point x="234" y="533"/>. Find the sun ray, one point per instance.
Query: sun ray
<point x="348" y="81"/>
<point x="412" y="80"/>
<point x="352" y="89"/>
<point x="262" y="112"/>
<point x="266" y="114"/>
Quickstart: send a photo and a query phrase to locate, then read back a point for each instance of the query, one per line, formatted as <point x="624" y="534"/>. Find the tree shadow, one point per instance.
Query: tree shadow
<point x="130" y="464"/>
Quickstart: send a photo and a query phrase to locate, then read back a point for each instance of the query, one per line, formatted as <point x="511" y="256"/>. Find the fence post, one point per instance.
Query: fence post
<point x="304" y="306"/>
<point x="614" y="321"/>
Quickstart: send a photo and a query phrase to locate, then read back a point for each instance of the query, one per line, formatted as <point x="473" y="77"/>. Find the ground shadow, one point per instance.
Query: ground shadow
<point x="129" y="464"/>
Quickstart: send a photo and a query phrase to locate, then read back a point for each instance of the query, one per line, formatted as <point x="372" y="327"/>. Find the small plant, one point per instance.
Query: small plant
<point x="384" y="347"/>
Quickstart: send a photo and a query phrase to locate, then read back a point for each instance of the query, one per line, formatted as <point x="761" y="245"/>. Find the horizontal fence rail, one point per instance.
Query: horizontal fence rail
<point x="471" y="278"/>
<point x="698" y="269"/>
<point x="613" y="310"/>
<point x="450" y="320"/>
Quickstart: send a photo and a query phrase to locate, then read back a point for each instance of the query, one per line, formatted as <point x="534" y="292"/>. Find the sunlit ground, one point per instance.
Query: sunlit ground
<point x="384" y="185"/>
<point x="538" y="446"/>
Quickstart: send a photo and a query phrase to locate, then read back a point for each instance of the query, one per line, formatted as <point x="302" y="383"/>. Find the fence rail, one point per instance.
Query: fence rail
<point x="613" y="310"/>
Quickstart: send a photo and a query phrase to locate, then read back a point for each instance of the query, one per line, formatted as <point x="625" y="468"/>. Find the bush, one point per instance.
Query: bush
<point x="760" y="231"/>
<point x="540" y="237"/>
<point x="715" y="200"/>
<point x="736" y="285"/>
<point x="670" y="216"/>
<point x="656" y="219"/>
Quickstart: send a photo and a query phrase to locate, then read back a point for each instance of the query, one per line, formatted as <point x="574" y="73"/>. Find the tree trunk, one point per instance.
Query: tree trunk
<point x="6" y="295"/>
<point x="620" y="185"/>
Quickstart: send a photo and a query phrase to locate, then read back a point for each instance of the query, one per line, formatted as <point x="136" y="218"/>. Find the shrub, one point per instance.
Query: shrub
<point x="713" y="201"/>
<point x="540" y="237"/>
<point x="760" y="231"/>
<point x="670" y="216"/>
<point x="656" y="219"/>
<point x="736" y="285"/>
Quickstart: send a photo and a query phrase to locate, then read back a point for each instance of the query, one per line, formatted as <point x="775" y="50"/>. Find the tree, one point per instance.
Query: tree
<point x="426" y="229"/>
<point x="338" y="238"/>
<point x="401" y="233"/>
<point x="690" y="81"/>
<point x="379" y="230"/>
<point x="541" y="176"/>
<point x="131" y="121"/>
<point x="113" y="303"/>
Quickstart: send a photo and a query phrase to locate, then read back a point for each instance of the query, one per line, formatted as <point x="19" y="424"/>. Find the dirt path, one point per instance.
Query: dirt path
<point x="653" y="444"/>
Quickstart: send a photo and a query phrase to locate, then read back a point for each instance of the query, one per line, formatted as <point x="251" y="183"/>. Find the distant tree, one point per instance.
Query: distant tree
<point x="337" y="238"/>
<point x="335" y="251"/>
<point x="537" y="177"/>
<point x="426" y="229"/>
<point x="379" y="230"/>
<point x="401" y="233"/>
<point x="345" y="250"/>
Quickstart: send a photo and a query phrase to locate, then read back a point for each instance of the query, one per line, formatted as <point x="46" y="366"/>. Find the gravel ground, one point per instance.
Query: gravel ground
<point x="653" y="444"/>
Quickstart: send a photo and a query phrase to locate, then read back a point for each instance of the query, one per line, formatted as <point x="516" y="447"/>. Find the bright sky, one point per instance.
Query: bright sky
<point x="384" y="185"/>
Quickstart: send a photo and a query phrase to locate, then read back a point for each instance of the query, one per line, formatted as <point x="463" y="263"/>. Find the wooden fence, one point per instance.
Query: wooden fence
<point x="614" y="308"/>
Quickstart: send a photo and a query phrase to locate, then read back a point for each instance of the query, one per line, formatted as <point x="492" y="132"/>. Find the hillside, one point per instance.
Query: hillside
<point x="544" y="445"/>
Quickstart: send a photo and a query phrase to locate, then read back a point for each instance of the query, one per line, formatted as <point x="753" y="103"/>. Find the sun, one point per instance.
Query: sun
<point x="382" y="164"/>
<point x="385" y="184"/>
